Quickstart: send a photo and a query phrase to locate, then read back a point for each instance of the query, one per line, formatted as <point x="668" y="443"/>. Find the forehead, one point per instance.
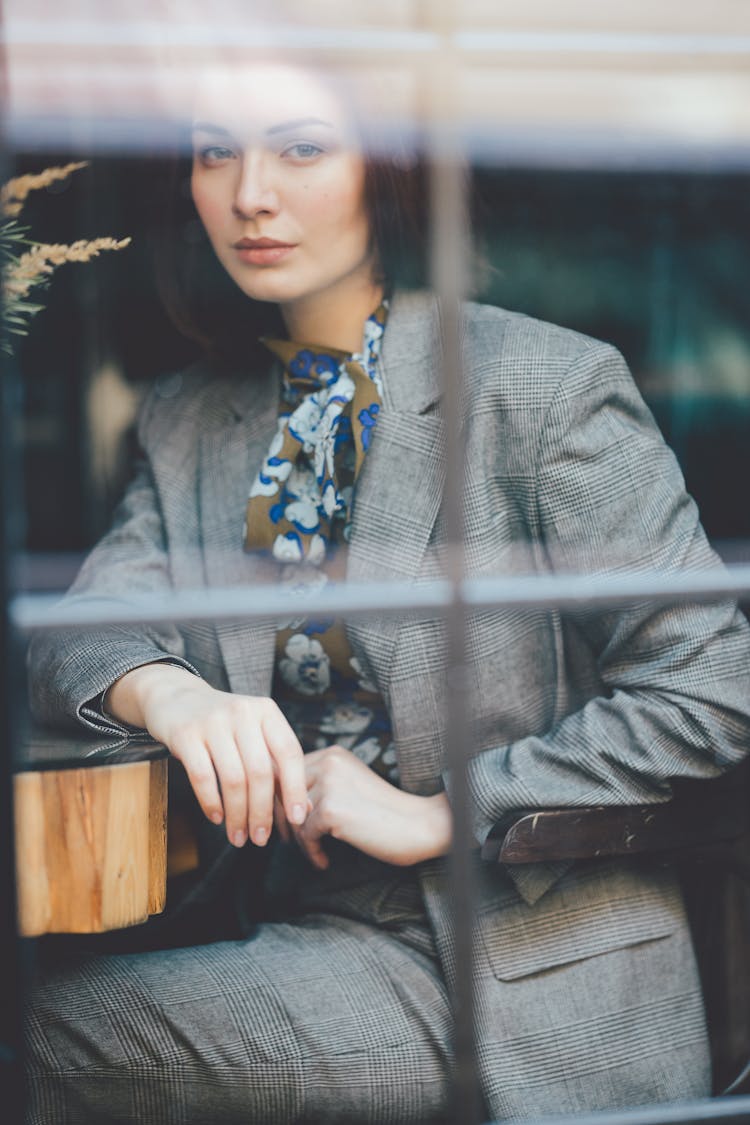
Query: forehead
<point x="251" y="99"/>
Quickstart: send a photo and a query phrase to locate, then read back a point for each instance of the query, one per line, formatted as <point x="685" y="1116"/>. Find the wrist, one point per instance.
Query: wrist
<point x="438" y="823"/>
<point x="133" y="695"/>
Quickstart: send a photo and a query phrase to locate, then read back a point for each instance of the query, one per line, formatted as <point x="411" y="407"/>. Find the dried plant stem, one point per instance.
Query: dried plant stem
<point x="43" y="258"/>
<point x="31" y="269"/>
<point x="13" y="194"/>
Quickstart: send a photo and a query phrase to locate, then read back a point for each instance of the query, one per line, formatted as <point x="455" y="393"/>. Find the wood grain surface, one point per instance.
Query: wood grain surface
<point x="90" y="847"/>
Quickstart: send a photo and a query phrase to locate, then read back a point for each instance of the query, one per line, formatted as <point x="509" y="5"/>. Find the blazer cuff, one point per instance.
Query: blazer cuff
<point x="93" y="713"/>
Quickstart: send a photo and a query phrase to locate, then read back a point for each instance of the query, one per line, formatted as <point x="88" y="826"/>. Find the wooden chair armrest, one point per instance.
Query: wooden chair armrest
<point x="700" y="813"/>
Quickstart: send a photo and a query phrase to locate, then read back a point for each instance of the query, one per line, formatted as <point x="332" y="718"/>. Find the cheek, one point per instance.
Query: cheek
<point x="207" y="202"/>
<point x="336" y="201"/>
<point x="338" y="209"/>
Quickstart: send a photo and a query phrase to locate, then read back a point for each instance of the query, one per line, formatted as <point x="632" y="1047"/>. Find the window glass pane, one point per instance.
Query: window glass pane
<point x="391" y="537"/>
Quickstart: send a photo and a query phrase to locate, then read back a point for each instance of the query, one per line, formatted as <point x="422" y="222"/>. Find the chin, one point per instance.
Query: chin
<point x="270" y="289"/>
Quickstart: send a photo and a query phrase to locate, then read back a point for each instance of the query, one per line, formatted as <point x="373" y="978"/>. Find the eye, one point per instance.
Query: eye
<point x="209" y="155"/>
<point x="303" y="151"/>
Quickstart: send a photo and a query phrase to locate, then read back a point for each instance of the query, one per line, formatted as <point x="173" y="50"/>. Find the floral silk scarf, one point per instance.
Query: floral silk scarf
<point x="301" y="500"/>
<point x="300" y="510"/>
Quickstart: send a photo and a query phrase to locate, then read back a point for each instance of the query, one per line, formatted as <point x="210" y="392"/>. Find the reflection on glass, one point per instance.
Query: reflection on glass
<point x="312" y="946"/>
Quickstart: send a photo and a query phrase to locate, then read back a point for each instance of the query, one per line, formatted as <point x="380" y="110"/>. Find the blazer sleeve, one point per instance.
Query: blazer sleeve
<point x="676" y="681"/>
<point x="70" y="669"/>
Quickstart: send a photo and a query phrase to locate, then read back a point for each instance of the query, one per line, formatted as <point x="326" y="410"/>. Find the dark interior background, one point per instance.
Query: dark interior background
<point x="655" y="263"/>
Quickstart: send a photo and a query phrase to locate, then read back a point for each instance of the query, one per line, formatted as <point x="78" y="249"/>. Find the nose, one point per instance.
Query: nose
<point x="256" y="193"/>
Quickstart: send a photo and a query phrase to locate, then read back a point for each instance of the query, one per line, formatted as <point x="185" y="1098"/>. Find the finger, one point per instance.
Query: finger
<point x="284" y="747"/>
<point x="260" y="781"/>
<point x="310" y="835"/>
<point x="279" y="819"/>
<point x="317" y="755"/>
<point x="201" y="775"/>
<point x="313" y="757"/>
<point x="311" y="844"/>
<point x="233" y="782"/>
<point x="312" y="763"/>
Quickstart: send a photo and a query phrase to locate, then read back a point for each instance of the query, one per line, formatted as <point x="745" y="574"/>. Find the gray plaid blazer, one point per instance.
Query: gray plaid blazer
<point x="580" y="971"/>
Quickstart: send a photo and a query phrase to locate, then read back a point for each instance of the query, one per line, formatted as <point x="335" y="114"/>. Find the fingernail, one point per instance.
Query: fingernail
<point x="239" y="838"/>
<point x="298" y="814"/>
<point x="216" y="817"/>
<point x="260" y="836"/>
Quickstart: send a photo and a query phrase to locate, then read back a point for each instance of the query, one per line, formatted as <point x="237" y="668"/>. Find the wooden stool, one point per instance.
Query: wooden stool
<point x="90" y="829"/>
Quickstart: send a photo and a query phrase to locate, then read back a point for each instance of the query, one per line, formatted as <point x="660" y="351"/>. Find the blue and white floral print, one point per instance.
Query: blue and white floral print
<point x="300" y="510"/>
<point x="367" y="751"/>
<point x="344" y="721"/>
<point x="390" y="761"/>
<point x="305" y="666"/>
<point x="274" y="469"/>
<point x="315" y="365"/>
<point x="288" y="547"/>
<point x="301" y="478"/>
<point x="303" y="514"/>
<point x="373" y="335"/>
<point x="368" y="418"/>
<point x="300" y="579"/>
<point x="364" y="683"/>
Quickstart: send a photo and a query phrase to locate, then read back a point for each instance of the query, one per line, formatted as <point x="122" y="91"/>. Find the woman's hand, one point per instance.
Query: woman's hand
<point x="350" y="802"/>
<point x="238" y="751"/>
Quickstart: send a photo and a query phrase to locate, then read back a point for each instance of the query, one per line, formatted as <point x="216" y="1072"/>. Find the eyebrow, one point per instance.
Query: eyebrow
<point x="298" y="124"/>
<point x="208" y="127"/>
<point x="286" y="127"/>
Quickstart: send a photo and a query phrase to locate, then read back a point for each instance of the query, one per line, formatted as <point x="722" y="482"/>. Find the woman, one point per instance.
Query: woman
<point x="337" y="1007"/>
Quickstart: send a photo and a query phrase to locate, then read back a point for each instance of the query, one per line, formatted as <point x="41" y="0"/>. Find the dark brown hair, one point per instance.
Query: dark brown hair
<point x="208" y="307"/>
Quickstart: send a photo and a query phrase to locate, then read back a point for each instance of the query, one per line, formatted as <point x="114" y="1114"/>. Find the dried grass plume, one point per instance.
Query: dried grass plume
<point x="31" y="268"/>
<point x="13" y="194"/>
<point x="44" y="258"/>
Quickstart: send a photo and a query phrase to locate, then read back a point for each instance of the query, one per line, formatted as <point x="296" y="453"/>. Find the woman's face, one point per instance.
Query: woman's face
<point x="279" y="184"/>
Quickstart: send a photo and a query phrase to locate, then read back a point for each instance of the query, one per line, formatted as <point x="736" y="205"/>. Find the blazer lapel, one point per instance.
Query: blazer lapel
<point x="397" y="501"/>
<point x="399" y="492"/>
<point x="230" y="455"/>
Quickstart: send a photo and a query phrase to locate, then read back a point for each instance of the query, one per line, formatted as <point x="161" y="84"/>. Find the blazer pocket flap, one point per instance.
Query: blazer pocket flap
<point x="580" y="918"/>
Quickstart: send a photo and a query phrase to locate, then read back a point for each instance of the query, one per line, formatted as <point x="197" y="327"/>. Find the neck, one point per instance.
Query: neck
<point x="333" y="318"/>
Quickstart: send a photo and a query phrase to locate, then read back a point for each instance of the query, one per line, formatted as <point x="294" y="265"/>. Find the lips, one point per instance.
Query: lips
<point x="262" y="251"/>
<point x="259" y="243"/>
